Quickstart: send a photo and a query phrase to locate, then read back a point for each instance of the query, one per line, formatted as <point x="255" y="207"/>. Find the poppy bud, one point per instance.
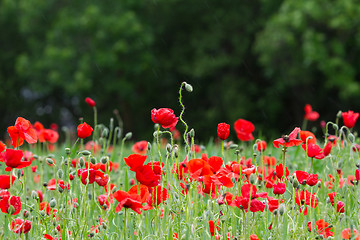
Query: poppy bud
<point x="282" y="209"/>
<point x="318" y="184"/>
<point x="176" y="150"/>
<point x="339" y="114"/>
<point x="85" y="152"/>
<point x="192" y="133"/>
<point x="104" y="226"/>
<point x="351" y="138"/>
<point x="90" y="196"/>
<point x="93" y="160"/>
<point x="34" y="195"/>
<point x="90" y="102"/>
<point x="223" y="131"/>
<point x="275" y="212"/>
<point x="26" y="214"/>
<point x="60" y="189"/>
<point x="42" y="213"/>
<point x="67" y="151"/>
<point x="148" y="146"/>
<point x="168" y="147"/>
<point x="336" y="127"/>
<point x="114" y="190"/>
<point x="252" y="178"/>
<point x="111" y="124"/>
<point x="60" y="173"/>
<point x="18" y="173"/>
<point x="81" y="162"/>
<point x="11" y="210"/>
<point x="105" y="132"/>
<point x="295" y="183"/>
<point x="49" y="161"/>
<point x="233" y="146"/>
<point x="188" y="87"/>
<point x="52" y="203"/>
<point x="157" y="133"/>
<point x="104" y="160"/>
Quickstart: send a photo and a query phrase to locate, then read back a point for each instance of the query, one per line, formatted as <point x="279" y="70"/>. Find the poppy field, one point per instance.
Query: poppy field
<point x="100" y="184"/>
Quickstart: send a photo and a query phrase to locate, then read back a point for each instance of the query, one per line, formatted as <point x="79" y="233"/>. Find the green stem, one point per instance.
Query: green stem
<point x="181" y="119"/>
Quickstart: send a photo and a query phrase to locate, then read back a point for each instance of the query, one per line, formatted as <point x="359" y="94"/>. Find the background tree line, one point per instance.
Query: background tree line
<point x="259" y="60"/>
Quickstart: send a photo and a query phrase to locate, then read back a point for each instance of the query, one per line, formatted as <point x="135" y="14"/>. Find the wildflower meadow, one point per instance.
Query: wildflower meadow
<point x="100" y="184"/>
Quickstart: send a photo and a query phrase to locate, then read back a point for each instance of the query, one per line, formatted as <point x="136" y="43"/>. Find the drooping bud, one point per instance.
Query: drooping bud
<point x="52" y="203"/>
<point x="93" y="160"/>
<point x="85" y="153"/>
<point x="128" y="135"/>
<point x="49" y="161"/>
<point x="188" y="87"/>
<point x="60" y="173"/>
<point x="252" y="178"/>
<point x="81" y="162"/>
<point x="104" y="159"/>
<point x="192" y="133"/>
<point x="282" y="209"/>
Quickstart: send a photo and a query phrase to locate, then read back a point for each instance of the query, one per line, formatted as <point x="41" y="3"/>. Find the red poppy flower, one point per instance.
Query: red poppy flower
<point x="254" y="237"/>
<point x="199" y="167"/>
<point x="273" y="203"/>
<point x="13" y="159"/>
<point x="223" y="178"/>
<point x="215" y="163"/>
<point x="223" y="131"/>
<point x="165" y="117"/>
<point x="50" y="135"/>
<point x="269" y="160"/>
<point x="140" y="147"/>
<point x="90" y="176"/>
<point x="127" y="200"/>
<point x="158" y="195"/>
<point x="347" y="234"/>
<point x="261" y="146"/>
<point x="2" y="146"/>
<point x="323" y="228"/>
<point x="305" y="198"/>
<point x="105" y="199"/>
<point x="8" y="201"/>
<point x="350" y="118"/>
<point x="143" y="192"/>
<point x="288" y="141"/>
<point x="90" y="102"/>
<point x="280" y="171"/>
<point x="306" y="178"/>
<point x="145" y="175"/>
<point x="357" y="174"/>
<point x="244" y="130"/>
<point x="279" y="188"/>
<point x="327" y="148"/>
<point x="157" y="167"/>
<point x="212" y="227"/>
<point x="180" y="169"/>
<point x="135" y="161"/>
<point x="310" y="114"/>
<point x="20" y="226"/>
<point x="313" y="151"/>
<point x="22" y="131"/>
<point x="84" y="130"/>
<point x="53" y="184"/>
<point x="307" y="137"/>
<point x="248" y="201"/>
<point x="5" y="181"/>
<point x="334" y="198"/>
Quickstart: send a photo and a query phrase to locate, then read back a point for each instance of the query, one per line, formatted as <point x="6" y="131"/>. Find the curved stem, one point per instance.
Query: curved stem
<point x="181" y="119"/>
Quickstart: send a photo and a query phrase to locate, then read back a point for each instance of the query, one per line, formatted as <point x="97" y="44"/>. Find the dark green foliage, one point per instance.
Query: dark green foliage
<point x="258" y="60"/>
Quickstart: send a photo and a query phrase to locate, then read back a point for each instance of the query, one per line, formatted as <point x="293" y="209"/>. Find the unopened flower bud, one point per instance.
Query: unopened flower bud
<point x="192" y="133"/>
<point x="85" y="153"/>
<point x="60" y="173"/>
<point x="114" y="190"/>
<point x="11" y="210"/>
<point x="67" y="151"/>
<point x="275" y="212"/>
<point x="104" y="226"/>
<point x="351" y="138"/>
<point x="188" y="87"/>
<point x="52" y="203"/>
<point x="148" y="146"/>
<point x="26" y="214"/>
<point x="93" y="160"/>
<point x="60" y="189"/>
<point x="50" y="161"/>
<point x="336" y="127"/>
<point x="168" y="147"/>
<point x="34" y="195"/>
<point x="176" y="151"/>
<point x="233" y="146"/>
<point x="104" y="159"/>
<point x="282" y="209"/>
<point x="339" y="114"/>
<point x="105" y="132"/>
<point x="18" y="173"/>
<point x="295" y="183"/>
<point x="252" y="178"/>
<point x="128" y="135"/>
<point x="318" y="184"/>
<point x="157" y="133"/>
<point x="81" y="162"/>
